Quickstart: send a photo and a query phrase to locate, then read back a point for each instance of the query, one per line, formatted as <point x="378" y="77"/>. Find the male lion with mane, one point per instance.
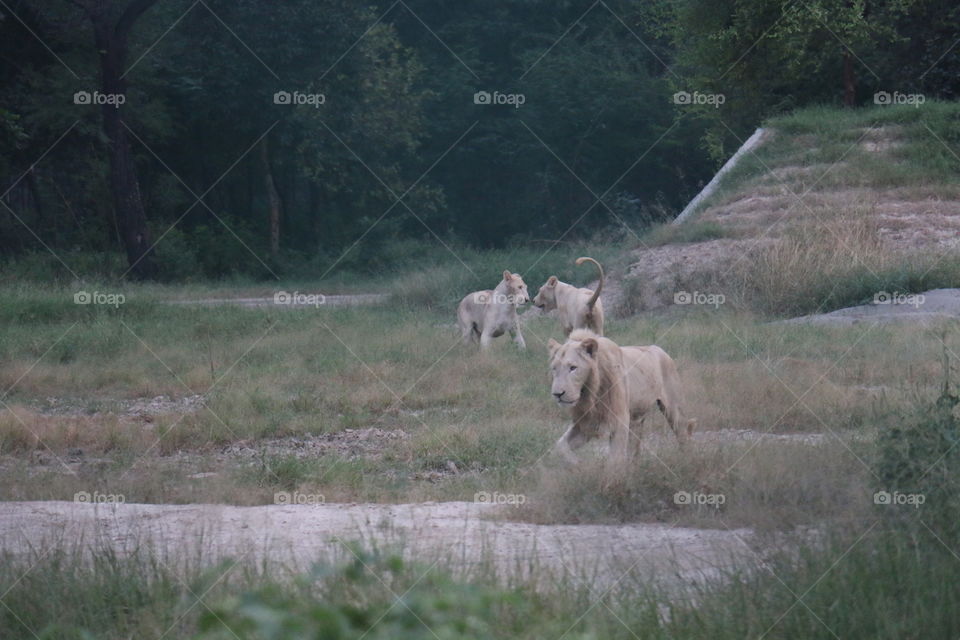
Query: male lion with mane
<point x="606" y="386"/>
<point x="588" y="378"/>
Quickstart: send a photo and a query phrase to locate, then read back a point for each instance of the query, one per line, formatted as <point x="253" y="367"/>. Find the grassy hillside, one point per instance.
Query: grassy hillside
<point x="834" y="206"/>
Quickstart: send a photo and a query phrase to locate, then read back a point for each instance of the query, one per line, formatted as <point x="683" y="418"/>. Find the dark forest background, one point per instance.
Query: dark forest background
<point x="200" y="168"/>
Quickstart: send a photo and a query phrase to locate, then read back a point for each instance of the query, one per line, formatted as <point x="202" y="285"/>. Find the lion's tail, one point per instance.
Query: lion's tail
<point x="596" y="294"/>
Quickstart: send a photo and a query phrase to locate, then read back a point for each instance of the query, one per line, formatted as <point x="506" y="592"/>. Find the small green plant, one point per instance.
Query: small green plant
<point x="921" y="458"/>
<point x="363" y="599"/>
<point x="687" y="232"/>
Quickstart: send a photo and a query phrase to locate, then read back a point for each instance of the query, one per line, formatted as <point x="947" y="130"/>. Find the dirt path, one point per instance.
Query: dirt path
<point x="291" y="301"/>
<point x="462" y="535"/>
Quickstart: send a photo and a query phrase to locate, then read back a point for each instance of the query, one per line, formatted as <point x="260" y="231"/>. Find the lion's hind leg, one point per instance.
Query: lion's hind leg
<point x="637" y="426"/>
<point x="681" y="428"/>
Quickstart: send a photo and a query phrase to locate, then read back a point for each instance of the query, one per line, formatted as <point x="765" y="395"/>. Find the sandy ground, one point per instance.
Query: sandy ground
<point x="291" y="302"/>
<point x="461" y="535"/>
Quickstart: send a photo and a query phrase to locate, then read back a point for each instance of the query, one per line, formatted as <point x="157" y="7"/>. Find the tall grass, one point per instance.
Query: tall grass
<point x="822" y="266"/>
<point x="760" y="485"/>
<point x="676" y="233"/>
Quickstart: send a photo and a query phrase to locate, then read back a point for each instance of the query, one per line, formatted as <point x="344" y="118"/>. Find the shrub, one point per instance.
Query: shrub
<point x="360" y="599"/>
<point x="922" y="456"/>
<point x="687" y="232"/>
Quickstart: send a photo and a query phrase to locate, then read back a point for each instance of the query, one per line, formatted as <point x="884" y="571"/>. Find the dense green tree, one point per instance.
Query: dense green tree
<point x="382" y="129"/>
<point x="767" y="57"/>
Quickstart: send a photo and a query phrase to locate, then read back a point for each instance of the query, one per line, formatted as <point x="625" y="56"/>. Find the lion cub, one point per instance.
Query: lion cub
<point x="485" y="315"/>
<point x="578" y="308"/>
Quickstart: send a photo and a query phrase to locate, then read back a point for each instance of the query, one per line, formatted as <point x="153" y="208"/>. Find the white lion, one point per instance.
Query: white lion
<point x="485" y="315"/>
<point x="577" y="308"/>
<point x="606" y="386"/>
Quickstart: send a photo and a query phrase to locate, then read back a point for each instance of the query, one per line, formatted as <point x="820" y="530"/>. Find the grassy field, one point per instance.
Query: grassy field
<point x="469" y="422"/>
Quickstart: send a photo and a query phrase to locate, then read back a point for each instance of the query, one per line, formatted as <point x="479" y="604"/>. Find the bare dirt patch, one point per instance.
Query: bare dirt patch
<point x="349" y="444"/>
<point x="749" y="435"/>
<point x="659" y="272"/>
<point x="139" y="408"/>
<point x="305" y="300"/>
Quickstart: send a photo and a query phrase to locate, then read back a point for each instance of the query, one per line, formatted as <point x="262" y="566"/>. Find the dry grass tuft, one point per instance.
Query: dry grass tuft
<point x="711" y="483"/>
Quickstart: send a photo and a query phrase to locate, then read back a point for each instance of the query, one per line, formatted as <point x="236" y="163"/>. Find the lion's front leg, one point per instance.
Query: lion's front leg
<point x="486" y="338"/>
<point x="619" y="443"/>
<point x="518" y="337"/>
<point x="619" y="438"/>
<point x="571" y="440"/>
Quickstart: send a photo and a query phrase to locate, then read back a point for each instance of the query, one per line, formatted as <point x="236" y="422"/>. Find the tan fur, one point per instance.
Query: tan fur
<point x="609" y="387"/>
<point x="577" y="308"/>
<point x="485" y="315"/>
<point x="653" y="382"/>
<point x="588" y="378"/>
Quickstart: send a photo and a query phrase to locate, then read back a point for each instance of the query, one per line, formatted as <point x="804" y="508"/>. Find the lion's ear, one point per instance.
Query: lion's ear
<point x="507" y="275"/>
<point x="552" y="345"/>
<point x="589" y="346"/>
<point x="552" y="281"/>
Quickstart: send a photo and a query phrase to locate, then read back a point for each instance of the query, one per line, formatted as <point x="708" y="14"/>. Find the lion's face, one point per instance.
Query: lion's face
<point x="516" y="287"/>
<point x="571" y="364"/>
<point x="546" y="298"/>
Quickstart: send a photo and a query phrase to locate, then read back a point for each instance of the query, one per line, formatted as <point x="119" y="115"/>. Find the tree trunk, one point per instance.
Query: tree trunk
<point x="34" y="190"/>
<point x="273" y="198"/>
<point x="111" y="41"/>
<point x="313" y="199"/>
<point x="849" y="81"/>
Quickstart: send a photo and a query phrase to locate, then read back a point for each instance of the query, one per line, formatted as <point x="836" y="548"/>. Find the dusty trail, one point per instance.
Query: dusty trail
<point x="461" y="535"/>
<point x="292" y="301"/>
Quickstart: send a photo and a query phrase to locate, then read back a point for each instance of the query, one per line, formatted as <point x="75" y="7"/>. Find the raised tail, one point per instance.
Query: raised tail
<point x="596" y="294"/>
